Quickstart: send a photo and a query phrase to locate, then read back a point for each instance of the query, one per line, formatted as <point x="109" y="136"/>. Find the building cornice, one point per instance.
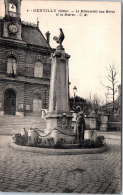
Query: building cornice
<point x="23" y="45"/>
<point x="22" y="79"/>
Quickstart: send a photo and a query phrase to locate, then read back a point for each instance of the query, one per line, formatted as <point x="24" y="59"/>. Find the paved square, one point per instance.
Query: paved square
<point x="85" y="173"/>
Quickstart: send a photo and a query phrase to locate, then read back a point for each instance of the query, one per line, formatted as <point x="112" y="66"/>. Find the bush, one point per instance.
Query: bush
<point x="93" y="144"/>
<point x="20" y="139"/>
<point x="49" y="142"/>
<point x="37" y="142"/>
<point x="100" y="141"/>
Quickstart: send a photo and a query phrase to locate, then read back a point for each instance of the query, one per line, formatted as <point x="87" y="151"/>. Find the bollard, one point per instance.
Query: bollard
<point x="87" y="135"/>
<point x="32" y="134"/>
<point x="90" y="135"/>
<point x="22" y="132"/>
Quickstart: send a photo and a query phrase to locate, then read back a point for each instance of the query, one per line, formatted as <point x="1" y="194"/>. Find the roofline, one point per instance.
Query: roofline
<point x="29" y="24"/>
<point x="25" y="45"/>
<point x="33" y="25"/>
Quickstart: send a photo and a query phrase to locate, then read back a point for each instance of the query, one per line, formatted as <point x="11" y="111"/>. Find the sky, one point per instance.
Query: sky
<point x="93" y="41"/>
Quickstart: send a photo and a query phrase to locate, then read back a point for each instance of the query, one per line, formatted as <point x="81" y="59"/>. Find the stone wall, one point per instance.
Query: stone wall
<point x="24" y="84"/>
<point x="30" y="91"/>
<point x="19" y="54"/>
<point x="24" y="95"/>
<point x="32" y="58"/>
<point x="25" y="61"/>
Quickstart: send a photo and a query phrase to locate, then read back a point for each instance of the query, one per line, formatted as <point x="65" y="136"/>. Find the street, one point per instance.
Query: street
<point x="85" y="173"/>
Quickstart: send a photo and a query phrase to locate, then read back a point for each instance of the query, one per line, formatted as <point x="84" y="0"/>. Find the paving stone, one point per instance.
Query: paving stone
<point x="86" y="173"/>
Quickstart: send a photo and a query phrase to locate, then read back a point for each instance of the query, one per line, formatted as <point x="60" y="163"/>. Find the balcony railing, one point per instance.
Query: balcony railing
<point x="14" y="14"/>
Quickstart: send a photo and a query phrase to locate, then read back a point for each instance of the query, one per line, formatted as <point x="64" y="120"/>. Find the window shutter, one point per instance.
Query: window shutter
<point x="11" y="65"/>
<point x="14" y="67"/>
<point x="38" y="70"/>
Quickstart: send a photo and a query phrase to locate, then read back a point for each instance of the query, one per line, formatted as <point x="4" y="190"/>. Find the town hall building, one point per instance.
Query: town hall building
<point x="24" y="64"/>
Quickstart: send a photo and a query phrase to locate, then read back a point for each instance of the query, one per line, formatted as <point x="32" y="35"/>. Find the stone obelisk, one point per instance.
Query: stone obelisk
<point x="59" y="116"/>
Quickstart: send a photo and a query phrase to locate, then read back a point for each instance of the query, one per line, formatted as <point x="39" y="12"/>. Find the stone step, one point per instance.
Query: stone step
<point x="22" y="119"/>
<point x="10" y="125"/>
<point x="15" y="116"/>
<point x="10" y="132"/>
<point x="6" y="129"/>
<point x="7" y="133"/>
<point x="21" y="124"/>
<point x="3" y="125"/>
<point x="29" y="127"/>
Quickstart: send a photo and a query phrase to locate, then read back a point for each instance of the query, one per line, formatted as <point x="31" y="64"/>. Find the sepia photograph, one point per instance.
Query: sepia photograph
<point x="60" y="96"/>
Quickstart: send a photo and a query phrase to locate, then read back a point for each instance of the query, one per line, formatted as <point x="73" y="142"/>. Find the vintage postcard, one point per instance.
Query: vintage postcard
<point x="60" y="96"/>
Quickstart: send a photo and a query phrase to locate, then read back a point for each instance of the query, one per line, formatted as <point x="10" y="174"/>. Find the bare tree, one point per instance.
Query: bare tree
<point x="106" y="98"/>
<point x="96" y="102"/>
<point x="112" y="72"/>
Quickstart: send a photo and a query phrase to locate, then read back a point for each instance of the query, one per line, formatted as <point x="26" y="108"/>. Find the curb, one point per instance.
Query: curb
<point x="58" y="151"/>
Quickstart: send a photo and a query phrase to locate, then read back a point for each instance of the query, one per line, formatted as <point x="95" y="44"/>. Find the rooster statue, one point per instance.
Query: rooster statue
<point x="60" y="38"/>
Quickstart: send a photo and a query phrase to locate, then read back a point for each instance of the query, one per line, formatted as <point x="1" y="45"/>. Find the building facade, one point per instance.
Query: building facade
<point x="24" y="65"/>
<point x="116" y="115"/>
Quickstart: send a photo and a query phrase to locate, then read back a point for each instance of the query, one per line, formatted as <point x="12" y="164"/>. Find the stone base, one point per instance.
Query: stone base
<point x="90" y="122"/>
<point x="60" y="126"/>
<point x="60" y="121"/>
<point x="103" y="126"/>
<point x="19" y="113"/>
<point x="64" y="135"/>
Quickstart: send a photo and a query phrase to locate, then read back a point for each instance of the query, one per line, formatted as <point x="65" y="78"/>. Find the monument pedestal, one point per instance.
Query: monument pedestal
<point x="62" y="124"/>
<point x="59" y="116"/>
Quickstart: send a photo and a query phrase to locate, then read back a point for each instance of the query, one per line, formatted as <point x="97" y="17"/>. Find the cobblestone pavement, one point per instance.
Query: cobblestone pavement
<point x="85" y="173"/>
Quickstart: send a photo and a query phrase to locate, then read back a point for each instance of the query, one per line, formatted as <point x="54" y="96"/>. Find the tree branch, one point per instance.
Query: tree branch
<point x="106" y="86"/>
<point x="109" y="79"/>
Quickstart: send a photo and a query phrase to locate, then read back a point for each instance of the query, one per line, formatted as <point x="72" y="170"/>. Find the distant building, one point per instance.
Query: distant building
<point x="24" y="64"/>
<point x="117" y="105"/>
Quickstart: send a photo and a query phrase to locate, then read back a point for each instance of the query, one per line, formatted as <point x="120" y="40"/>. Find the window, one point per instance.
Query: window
<point x="38" y="70"/>
<point x="11" y="65"/>
<point x="12" y="7"/>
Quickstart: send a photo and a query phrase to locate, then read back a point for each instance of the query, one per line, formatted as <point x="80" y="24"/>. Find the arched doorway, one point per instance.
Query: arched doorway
<point x="10" y="102"/>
